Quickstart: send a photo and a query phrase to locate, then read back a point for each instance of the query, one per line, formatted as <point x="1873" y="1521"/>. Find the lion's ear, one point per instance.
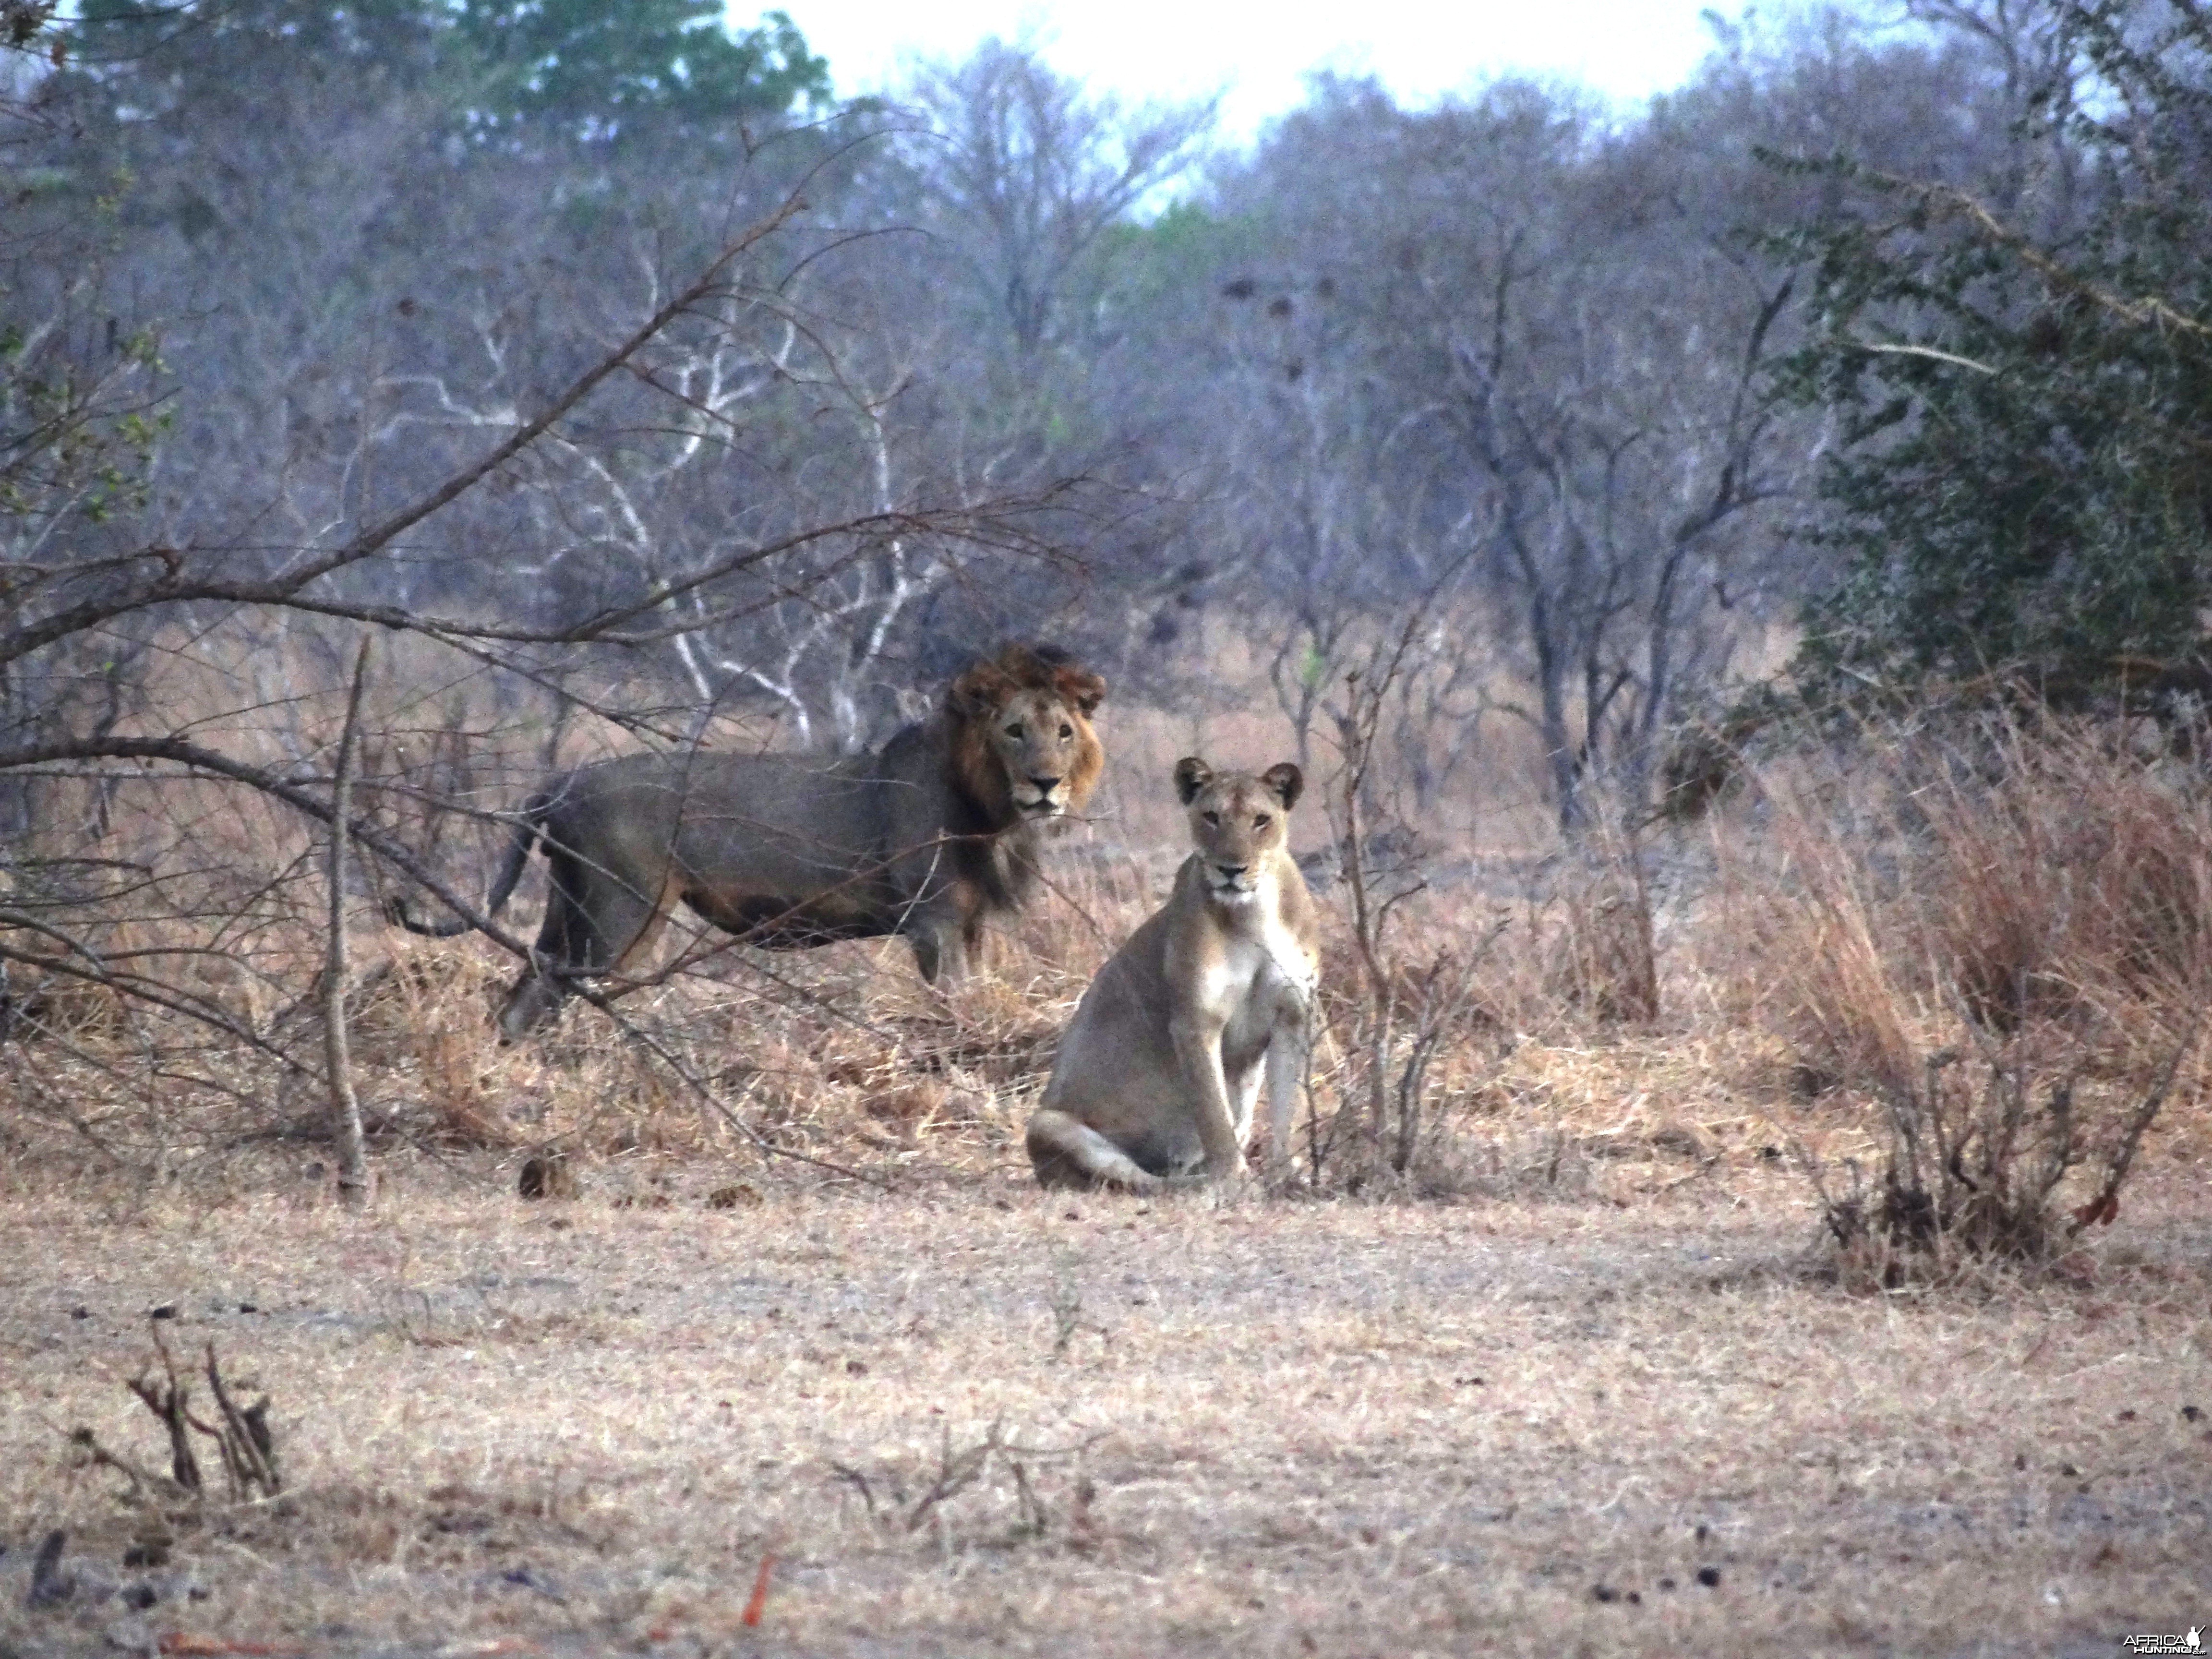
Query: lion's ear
<point x="1191" y="775"/>
<point x="1287" y="782"/>
<point x="1024" y="666"/>
<point x="1085" y="690"/>
<point x="977" y="692"/>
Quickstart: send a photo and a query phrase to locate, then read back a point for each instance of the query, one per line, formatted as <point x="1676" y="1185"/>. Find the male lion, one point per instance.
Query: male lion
<point x="1161" y="1067"/>
<point x="927" y="837"/>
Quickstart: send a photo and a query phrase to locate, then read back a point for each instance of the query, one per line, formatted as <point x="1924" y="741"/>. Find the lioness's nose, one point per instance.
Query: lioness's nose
<point x="1232" y="869"/>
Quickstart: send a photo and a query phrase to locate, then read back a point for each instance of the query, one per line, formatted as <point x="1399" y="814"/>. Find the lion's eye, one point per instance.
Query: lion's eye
<point x="1066" y="730"/>
<point x="1015" y="730"/>
<point x="1213" y="818"/>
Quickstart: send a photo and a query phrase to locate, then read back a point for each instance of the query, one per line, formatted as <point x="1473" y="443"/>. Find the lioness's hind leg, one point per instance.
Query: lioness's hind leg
<point x="1066" y="1151"/>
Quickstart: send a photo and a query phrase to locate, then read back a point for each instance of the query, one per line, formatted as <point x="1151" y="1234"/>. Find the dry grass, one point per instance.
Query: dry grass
<point x="1332" y="1428"/>
<point x="805" y="1301"/>
<point x="2001" y="931"/>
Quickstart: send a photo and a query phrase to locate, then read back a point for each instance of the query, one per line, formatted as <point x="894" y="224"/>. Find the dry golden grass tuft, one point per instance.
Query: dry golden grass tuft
<point x="2000" y="933"/>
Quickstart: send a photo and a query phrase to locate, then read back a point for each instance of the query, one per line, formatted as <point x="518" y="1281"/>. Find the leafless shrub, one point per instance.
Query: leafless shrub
<point x="1406" y="1007"/>
<point x="1977" y="1153"/>
<point x="905" y="1500"/>
<point x="240" y="1436"/>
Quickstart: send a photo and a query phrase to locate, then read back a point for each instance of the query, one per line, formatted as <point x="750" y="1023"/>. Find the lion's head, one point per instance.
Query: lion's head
<point x="1237" y="821"/>
<point x="1022" y="746"/>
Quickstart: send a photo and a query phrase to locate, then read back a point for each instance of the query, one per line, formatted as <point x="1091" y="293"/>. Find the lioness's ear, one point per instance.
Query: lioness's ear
<point x="1287" y="782"/>
<point x="1191" y="775"/>
<point x="977" y="691"/>
<point x="1087" y="691"/>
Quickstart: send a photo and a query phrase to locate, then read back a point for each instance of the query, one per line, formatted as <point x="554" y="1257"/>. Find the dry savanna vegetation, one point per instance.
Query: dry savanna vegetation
<point x="1735" y="574"/>
<point x="1775" y="1231"/>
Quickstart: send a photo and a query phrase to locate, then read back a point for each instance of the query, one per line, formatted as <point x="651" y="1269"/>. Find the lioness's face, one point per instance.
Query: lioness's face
<point x="1040" y="739"/>
<point x="1239" y="822"/>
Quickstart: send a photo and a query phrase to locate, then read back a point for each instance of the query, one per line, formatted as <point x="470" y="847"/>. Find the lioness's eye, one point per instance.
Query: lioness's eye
<point x="1066" y="730"/>
<point x="1015" y="730"/>
<point x="1259" y="822"/>
<point x="1213" y="818"/>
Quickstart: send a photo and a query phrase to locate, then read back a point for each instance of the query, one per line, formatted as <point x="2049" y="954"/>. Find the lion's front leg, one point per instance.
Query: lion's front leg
<point x="1198" y="1054"/>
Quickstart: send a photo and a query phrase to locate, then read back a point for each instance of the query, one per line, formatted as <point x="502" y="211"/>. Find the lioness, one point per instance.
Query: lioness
<point x="1161" y="1067"/>
<point x="927" y="837"/>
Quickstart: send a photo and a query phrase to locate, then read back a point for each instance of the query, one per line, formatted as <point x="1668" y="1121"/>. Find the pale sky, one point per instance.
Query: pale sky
<point x="1139" y="49"/>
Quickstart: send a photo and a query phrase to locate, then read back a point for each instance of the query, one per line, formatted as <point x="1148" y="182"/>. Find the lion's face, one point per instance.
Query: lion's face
<point x="1026" y="745"/>
<point x="1239" y="822"/>
<point x="1041" y="741"/>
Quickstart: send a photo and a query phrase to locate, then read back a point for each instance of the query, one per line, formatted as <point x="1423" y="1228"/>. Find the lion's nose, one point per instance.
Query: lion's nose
<point x="1045" y="786"/>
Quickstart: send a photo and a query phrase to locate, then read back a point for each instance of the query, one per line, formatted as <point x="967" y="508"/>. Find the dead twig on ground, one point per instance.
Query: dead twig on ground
<point x="241" y="1434"/>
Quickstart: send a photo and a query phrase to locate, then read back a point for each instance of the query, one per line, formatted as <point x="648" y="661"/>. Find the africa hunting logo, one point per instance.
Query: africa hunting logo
<point x="2191" y="1643"/>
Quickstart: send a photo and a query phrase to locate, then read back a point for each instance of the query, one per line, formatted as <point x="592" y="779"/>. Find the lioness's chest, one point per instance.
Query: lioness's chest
<point x="1260" y="974"/>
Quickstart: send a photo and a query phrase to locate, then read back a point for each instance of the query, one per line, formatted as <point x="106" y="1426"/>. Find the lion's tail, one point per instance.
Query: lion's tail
<point x="527" y="827"/>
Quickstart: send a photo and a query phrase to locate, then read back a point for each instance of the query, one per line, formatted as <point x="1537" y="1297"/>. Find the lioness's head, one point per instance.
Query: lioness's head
<point x="1023" y="743"/>
<point x="1237" y="820"/>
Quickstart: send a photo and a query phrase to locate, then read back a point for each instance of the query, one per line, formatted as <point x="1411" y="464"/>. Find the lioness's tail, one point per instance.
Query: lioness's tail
<point x="1067" y="1152"/>
<point x="528" y="825"/>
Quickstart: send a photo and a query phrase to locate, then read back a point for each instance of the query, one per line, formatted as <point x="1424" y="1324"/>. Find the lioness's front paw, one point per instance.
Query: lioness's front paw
<point x="1281" y="1177"/>
<point x="1231" y="1187"/>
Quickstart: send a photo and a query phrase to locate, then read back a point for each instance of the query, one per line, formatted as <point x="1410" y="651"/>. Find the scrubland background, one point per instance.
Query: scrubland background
<point x="1568" y="1350"/>
<point x="1732" y="572"/>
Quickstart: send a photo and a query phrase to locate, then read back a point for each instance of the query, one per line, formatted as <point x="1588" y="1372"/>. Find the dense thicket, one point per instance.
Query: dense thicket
<point x="2021" y="367"/>
<point x="1547" y="378"/>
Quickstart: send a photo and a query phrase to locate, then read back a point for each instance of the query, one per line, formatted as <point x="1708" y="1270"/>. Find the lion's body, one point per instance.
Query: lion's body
<point x="1162" y="1065"/>
<point x="927" y="837"/>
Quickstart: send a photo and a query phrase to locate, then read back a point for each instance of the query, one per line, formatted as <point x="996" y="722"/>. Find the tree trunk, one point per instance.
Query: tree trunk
<point x="338" y="1065"/>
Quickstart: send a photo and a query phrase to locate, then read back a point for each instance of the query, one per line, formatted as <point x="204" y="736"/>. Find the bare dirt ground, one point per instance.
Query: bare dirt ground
<point x="976" y="1418"/>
